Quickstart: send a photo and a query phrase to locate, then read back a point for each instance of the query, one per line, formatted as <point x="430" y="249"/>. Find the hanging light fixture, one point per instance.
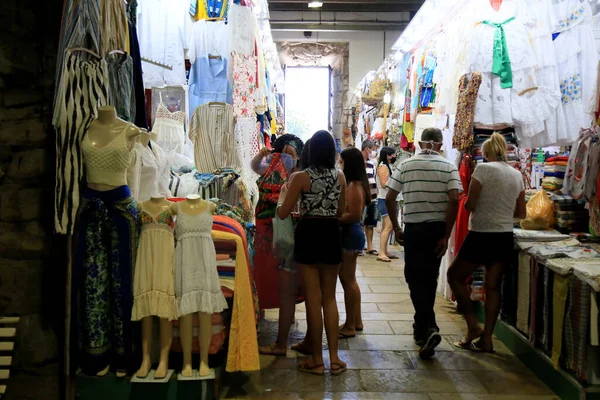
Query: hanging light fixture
<point x="315" y="4"/>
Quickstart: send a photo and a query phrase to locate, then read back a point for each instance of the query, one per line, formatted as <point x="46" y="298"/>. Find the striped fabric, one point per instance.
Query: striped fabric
<point x="576" y="331"/>
<point x="82" y="89"/>
<point x="425" y="181"/>
<point x="212" y="132"/>
<point x="372" y="181"/>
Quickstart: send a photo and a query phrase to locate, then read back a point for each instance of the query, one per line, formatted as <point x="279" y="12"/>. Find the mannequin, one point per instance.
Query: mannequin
<point x="154" y="286"/>
<point x="204" y="296"/>
<point x="144" y="138"/>
<point x="107" y="243"/>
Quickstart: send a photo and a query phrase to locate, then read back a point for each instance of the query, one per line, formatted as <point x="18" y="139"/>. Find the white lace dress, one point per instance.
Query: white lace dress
<point x="169" y="127"/>
<point x="197" y="285"/>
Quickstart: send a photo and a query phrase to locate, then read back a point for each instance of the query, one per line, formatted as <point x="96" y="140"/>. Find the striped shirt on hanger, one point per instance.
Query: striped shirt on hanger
<point x="212" y="132"/>
<point x="425" y="180"/>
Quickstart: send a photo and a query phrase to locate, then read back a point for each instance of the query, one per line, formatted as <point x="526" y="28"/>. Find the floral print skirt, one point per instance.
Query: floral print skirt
<point x="102" y="299"/>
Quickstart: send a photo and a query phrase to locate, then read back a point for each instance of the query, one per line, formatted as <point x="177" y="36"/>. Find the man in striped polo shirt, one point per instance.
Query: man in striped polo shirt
<point x="369" y="150"/>
<point x="430" y="185"/>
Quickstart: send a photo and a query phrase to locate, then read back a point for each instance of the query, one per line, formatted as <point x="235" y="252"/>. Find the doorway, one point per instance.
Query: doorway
<point x="308" y="96"/>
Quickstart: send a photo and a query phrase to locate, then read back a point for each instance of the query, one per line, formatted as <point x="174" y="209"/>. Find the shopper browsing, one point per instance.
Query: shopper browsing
<point x="496" y="197"/>
<point x="321" y="189"/>
<point x="430" y="186"/>
<point x="387" y="158"/>
<point x="369" y="152"/>
<point x="275" y="278"/>
<point x="353" y="238"/>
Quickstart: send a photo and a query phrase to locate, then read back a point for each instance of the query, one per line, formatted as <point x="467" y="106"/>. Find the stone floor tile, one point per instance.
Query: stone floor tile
<point x="291" y="380"/>
<point x="389" y="288"/>
<point x="421" y="381"/>
<point x="390" y="342"/>
<point x="374" y="273"/>
<point x="384" y="297"/>
<point x="512" y="382"/>
<point x="379" y="281"/>
<point x="471" y="396"/>
<point x="363" y="288"/>
<point x="387" y="317"/>
<point x="446" y="328"/>
<point x="464" y="360"/>
<point x="365" y="396"/>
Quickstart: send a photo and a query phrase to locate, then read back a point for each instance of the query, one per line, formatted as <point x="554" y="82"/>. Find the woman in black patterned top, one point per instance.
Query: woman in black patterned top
<point x="321" y="189"/>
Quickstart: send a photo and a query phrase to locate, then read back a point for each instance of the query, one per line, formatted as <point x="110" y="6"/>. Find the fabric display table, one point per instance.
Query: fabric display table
<point x="550" y="297"/>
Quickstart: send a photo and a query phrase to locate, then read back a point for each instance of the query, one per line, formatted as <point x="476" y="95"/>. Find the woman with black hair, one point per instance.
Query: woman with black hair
<point x="387" y="158"/>
<point x="321" y="189"/>
<point x="275" y="167"/>
<point x="353" y="238"/>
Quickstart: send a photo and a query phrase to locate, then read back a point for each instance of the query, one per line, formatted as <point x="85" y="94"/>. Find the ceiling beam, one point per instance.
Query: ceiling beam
<point x="330" y="26"/>
<point x="348" y="5"/>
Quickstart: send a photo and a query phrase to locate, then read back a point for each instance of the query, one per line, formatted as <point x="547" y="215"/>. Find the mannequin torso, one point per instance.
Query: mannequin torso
<point x="104" y="132"/>
<point x="194" y="205"/>
<point x="157" y="205"/>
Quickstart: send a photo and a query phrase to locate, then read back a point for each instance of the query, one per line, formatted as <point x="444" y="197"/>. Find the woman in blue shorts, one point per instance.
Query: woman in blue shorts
<point x="353" y="238"/>
<point x="387" y="158"/>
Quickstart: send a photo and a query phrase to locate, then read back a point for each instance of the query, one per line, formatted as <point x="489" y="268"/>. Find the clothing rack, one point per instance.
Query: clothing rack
<point x="158" y="63"/>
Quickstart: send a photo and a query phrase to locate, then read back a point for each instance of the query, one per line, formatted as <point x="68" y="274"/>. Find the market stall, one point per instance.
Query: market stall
<point x="159" y="109"/>
<point x="528" y="70"/>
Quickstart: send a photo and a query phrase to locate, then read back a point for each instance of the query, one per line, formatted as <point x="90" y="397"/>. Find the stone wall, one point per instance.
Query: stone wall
<point x="31" y="272"/>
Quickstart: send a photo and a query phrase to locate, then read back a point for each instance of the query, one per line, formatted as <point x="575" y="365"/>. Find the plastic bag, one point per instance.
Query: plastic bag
<point x="540" y="213"/>
<point x="283" y="237"/>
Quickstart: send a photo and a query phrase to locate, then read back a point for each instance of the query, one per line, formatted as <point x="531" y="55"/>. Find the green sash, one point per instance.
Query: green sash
<point x="501" y="65"/>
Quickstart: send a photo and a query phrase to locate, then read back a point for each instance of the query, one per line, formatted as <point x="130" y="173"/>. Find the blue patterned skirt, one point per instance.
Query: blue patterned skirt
<point x="107" y="238"/>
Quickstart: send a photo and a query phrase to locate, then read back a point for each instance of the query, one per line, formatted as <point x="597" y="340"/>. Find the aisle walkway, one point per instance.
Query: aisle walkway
<point x="383" y="362"/>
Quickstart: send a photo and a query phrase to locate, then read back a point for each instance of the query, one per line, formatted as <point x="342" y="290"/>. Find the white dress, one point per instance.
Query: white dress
<point x="169" y="128"/>
<point x="197" y="285"/>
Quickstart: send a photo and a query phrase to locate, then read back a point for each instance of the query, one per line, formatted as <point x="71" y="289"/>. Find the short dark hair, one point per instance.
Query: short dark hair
<point x="432" y="134"/>
<point x="322" y="151"/>
<point x="367" y="144"/>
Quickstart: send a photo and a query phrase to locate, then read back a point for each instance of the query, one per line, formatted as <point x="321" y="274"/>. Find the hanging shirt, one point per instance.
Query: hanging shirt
<point x="208" y="82"/>
<point x="164" y="32"/>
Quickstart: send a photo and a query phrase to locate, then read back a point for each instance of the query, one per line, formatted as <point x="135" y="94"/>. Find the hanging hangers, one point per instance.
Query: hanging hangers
<point x="217" y="103"/>
<point x="214" y="57"/>
<point x="531" y="89"/>
<point x="85" y="50"/>
<point x="116" y="52"/>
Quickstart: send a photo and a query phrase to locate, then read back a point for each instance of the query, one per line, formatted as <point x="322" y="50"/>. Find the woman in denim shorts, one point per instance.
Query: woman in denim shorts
<point x="353" y="238"/>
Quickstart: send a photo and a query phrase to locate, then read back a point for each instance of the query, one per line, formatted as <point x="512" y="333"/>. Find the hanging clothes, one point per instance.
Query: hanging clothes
<point x="169" y="127"/>
<point x="141" y="120"/>
<point x="114" y="28"/>
<point x="87" y="83"/>
<point x="212" y="132"/>
<point x="243" y="28"/>
<point x="208" y="82"/>
<point x="462" y="138"/>
<point x="208" y="9"/>
<point x="164" y="33"/>
<point x="155" y="175"/>
<point x="121" y="92"/>
<point x="102" y="297"/>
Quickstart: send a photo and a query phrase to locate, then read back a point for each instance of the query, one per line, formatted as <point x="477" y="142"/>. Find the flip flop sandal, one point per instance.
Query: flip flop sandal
<point x="359" y="329"/>
<point x="302" y="348"/>
<point x="271" y="350"/>
<point x="464" y="345"/>
<point x="342" y="335"/>
<point x="373" y="253"/>
<point x="385" y="260"/>
<point x="478" y="349"/>
<point x="312" y="369"/>
<point x="393" y="257"/>
<point x="342" y="367"/>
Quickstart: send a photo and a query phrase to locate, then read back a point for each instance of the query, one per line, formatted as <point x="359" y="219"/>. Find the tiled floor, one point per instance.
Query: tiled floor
<point x="383" y="362"/>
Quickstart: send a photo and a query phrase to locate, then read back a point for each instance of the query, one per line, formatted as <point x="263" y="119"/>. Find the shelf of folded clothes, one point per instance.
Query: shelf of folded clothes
<point x="550" y="297"/>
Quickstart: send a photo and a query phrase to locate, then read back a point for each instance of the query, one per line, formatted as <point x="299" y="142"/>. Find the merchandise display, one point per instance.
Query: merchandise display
<point x="161" y="210"/>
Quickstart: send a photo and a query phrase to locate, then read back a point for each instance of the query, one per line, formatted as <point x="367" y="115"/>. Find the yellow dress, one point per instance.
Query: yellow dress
<point x="243" y="343"/>
<point x="154" y="276"/>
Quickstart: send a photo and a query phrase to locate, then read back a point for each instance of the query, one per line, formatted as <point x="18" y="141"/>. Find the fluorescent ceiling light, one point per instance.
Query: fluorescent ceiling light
<point x="315" y="4"/>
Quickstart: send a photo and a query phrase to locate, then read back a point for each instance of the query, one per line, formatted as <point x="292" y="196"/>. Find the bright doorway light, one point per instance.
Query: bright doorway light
<point x="315" y="4"/>
<point x="307" y="98"/>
